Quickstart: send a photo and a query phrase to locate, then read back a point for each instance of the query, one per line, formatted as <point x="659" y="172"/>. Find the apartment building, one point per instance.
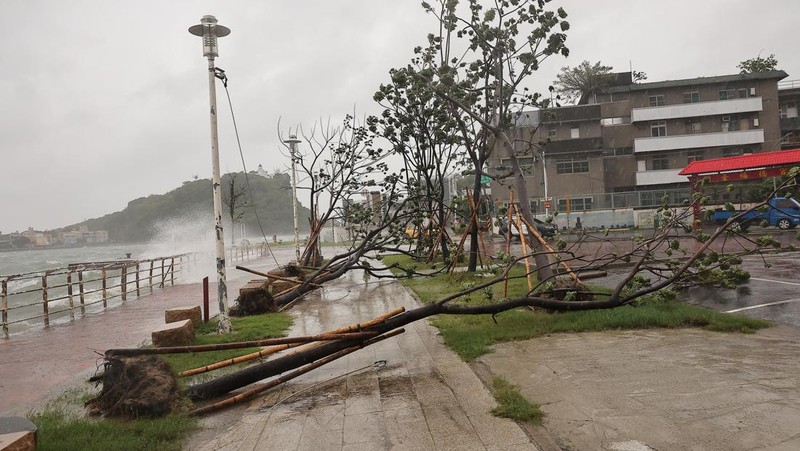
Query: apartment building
<point x="624" y="146"/>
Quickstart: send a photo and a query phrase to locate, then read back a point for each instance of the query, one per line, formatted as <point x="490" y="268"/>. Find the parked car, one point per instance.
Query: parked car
<point x="782" y="212"/>
<point x="545" y="229"/>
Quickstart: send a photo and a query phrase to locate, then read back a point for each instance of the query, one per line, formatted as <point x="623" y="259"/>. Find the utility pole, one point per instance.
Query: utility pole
<point x="210" y="31"/>
<point x="292" y="141"/>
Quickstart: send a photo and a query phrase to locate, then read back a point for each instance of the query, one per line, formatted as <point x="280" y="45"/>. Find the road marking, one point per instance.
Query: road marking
<point x="762" y="305"/>
<point x="775" y="281"/>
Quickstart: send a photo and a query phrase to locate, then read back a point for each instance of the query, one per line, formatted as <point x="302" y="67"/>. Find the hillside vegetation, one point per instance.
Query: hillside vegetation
<point x="140" y="220"/>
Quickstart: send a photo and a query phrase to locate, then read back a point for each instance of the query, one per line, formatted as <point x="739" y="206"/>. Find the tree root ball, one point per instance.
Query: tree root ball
<point x="253" y="302"/>
<point x="137" y="387"/>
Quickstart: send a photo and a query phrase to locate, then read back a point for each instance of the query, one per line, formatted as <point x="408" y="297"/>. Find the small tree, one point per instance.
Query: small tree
<point x="758" y="64"/>
<point x="233" y="197"/>
<point x="584" y="80"/>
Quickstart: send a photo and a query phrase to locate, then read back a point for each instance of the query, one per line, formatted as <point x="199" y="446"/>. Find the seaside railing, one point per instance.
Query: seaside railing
<point x="246" y="251"/>
<point x="37" y="298"/>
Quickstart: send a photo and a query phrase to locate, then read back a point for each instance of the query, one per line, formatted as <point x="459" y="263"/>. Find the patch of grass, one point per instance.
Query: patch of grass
<point x="63" y="425"/>
<point x="59" y="431"/>
<point x="470" y="336"/>
<point x="247" y="328"/>
<point x="512" y="404"/>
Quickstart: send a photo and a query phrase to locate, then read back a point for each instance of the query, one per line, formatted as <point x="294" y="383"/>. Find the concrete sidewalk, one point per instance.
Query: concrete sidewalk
<point x="662" y="389"/>
<point x="424" y="398"/>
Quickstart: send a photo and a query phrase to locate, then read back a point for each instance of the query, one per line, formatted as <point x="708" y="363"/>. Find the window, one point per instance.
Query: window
<point x="730" y="123"/>
<point x="575" y="204"/>
<point x="572" y="165"/>
<point x="694" y="127"/>
<point x="658" y="129"/>
<point x="788" y="110"/>
<point x="727" y="94"/>
<point x="731" y="152"/>
<point x="615" y="121"/>
<point x="657" y="100"/>
<point x="660" y="163"/>
<point x="575" y="133"/>
<point x="551" y="131"/>
<point x="692" y="96"/>
<point x="618" y="152"/>
<point x="695" y="155"/>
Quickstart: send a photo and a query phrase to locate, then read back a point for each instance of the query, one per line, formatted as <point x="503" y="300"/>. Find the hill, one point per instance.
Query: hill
<point x="192" y="202"/>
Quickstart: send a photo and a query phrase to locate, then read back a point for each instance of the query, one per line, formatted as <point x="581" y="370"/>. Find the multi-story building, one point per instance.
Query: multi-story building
<point x="624" y="146"/>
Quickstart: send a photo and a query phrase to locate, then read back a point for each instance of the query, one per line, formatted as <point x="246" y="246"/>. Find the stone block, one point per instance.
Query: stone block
<point x="176" y="314"/>
<point x="17" y="434"/>
<point x="179" y="333"/>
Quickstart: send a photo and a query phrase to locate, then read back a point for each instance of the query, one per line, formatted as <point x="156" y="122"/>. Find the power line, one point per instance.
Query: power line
<point x="221" y="75"/>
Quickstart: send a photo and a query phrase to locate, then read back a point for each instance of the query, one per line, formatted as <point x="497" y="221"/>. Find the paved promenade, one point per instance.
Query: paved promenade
<point x="424" y="398"/>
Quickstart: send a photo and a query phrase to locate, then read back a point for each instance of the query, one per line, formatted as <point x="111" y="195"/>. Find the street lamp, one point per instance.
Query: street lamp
<point x="210" y="31"/>
<point x="292" y="142"/>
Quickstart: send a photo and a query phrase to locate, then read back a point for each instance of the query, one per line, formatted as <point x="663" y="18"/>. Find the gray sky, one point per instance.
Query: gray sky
<point x="107" y="101"/>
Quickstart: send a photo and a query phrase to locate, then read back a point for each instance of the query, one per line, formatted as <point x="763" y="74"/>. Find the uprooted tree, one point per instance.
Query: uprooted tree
<point x="675" y="255"/>
<point x="482" y="91"/>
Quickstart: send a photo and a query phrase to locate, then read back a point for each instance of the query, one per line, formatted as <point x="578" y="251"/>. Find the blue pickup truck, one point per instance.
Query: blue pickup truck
<point x="782" y="212"/>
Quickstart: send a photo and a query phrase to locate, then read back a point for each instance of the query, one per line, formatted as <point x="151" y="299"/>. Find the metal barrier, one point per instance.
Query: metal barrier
<point x="245" y="252"/>
<point x="43" y="296"/>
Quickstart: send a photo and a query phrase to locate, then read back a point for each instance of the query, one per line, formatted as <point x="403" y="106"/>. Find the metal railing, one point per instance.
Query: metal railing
<point x="247" y="251"/>
<point x="41" y="297"/>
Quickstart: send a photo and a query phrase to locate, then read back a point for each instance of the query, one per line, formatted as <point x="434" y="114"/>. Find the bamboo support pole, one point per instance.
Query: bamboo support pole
<point x="550" y="249"/>
<point x="273" y="276"/>
<point x="236" y="345"/>
<point x="289" y="376"/>
<point x="524" y="239"/>
<point x="276" y="349"/>
<point x="508" y="238"/>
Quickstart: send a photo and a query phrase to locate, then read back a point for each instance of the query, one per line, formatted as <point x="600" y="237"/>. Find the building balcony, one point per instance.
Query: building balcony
<point x="644" y="178"/>
<point x="685" y="110"/>
<point x="699" y="140"/>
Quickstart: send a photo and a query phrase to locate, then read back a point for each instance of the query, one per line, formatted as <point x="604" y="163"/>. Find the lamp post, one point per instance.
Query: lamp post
<point x="292" y="142"/>
<point x="210" y="31"/>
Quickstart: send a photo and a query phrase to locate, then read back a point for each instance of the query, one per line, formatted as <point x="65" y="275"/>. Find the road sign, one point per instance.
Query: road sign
<point x="485" y="180"/>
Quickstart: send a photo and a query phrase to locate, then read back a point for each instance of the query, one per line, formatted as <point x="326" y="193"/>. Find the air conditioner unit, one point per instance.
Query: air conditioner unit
<point x="755" y="122"/>
<point x="752" y="92"/>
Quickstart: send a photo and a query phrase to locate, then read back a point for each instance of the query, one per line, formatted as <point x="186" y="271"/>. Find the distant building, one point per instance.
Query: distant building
<point x="37" y="238"/>
<point x="624" y="146"/>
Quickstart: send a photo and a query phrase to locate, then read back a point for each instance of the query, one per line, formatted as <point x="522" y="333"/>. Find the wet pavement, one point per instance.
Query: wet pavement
<point x="654" y="389"/>
<point x="40" y="364"/>
<point x="661" y="389"/>
<point x="423" y="398"/>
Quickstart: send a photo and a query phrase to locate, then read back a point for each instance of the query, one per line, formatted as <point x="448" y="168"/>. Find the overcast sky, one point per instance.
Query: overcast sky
<point x="106" y="101"/>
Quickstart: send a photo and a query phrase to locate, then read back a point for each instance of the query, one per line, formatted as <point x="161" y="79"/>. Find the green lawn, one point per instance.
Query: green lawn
<point x="471" y="335"/>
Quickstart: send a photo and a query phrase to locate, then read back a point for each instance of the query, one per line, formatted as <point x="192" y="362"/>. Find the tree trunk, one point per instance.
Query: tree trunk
<point x="472" y="266"/>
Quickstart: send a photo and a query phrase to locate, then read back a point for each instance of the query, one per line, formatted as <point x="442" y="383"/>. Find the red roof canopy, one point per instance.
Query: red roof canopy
<point x="742" y="162"/>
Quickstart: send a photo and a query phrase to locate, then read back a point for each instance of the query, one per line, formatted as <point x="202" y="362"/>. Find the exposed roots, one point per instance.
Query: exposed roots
<point x="136" y="387"/>
<point x="254" y="302"/>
